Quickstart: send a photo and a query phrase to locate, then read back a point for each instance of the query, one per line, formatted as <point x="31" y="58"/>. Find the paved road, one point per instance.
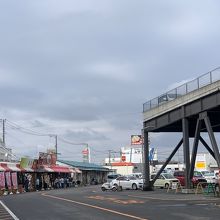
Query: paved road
<point x="90" y="203"/>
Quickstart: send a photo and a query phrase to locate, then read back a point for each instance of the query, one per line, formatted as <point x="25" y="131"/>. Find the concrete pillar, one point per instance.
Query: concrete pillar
<point x="146" y="169"/>
<point x="186" y="151"/>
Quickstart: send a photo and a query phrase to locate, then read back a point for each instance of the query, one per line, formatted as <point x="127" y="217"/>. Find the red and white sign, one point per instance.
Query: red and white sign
<point x="85" y="151"/>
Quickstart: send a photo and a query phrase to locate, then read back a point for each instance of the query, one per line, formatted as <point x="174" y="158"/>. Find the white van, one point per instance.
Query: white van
<point x="165" y="180"/>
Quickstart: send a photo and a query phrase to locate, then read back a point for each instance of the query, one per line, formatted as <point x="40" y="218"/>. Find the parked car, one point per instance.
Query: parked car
<point x="197" y="178"/>
<point x="210" y="177"/>
<point x="111" y="177"/>
<point x="128" y="182"/>
<point x="108" y="186"/>
<point x="137" y="175"/>
<point x="165" y="180"/>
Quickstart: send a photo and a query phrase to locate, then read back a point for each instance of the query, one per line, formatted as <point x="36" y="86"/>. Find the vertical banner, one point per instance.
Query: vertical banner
<point x="151" y="154"/>
<point x="8" y="179"/>
<point x="2" y="180"/>
<point x="14" y="180"/>
<point x="85" y="154"/>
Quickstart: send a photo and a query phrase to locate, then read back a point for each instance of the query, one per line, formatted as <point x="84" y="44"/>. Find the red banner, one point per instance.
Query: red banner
<point x="8" y="179"/>
<point x="14" y="180"/>
<point x="2" y="180"/>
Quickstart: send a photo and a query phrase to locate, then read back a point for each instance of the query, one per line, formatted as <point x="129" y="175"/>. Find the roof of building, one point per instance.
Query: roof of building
<point x="85" y="166"/>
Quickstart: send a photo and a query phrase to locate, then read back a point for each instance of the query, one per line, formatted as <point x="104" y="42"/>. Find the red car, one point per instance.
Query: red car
<point x="197" y="178"/>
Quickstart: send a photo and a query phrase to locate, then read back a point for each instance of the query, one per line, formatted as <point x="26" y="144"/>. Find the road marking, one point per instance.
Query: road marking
<point x="125" y="202"/>
<point x="94" y="206"/>
<point x="9" y="211"/>
<point x="172" y="199"/>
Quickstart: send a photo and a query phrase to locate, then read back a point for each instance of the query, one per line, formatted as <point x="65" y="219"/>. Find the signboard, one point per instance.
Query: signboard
<point x="2" y="180"/>
<point x="35" y="163"/>
<point x="200" y="162"/>
<point x="26" y="162"/>
<point x="85" y="151"/>
<point x="123" y="158"/>
<point x="151" y="154"/>
<point x="47" y="159"/>
<point x="200" y="165"/>
<point x="85" y="154"/>
<point x="136" y="140"/>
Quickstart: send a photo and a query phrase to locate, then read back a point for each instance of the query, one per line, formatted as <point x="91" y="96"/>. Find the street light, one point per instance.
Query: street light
<point x="146" y="169"/>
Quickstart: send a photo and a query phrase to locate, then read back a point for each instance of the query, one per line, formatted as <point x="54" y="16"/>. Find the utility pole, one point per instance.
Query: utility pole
<point x="131" y="155"/>
<point x="3" y="131"/>
<point x="56" y="146"/>
<point x="109" y="156"/>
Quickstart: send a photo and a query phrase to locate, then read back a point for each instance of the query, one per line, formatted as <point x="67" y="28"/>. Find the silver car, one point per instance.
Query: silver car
<point x="128" y="182"/>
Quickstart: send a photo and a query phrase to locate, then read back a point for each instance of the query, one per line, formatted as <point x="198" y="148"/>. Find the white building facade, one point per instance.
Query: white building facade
<point x="132" y="154"/>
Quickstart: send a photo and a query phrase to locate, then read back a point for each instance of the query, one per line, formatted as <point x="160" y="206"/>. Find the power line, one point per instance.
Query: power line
<point x="71" y="143"/>
<point x="25" y="130"/>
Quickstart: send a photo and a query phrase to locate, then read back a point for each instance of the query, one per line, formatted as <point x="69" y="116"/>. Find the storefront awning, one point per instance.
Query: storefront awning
<point x="8" y="167"/>
<point x="61" y="169"/>
<point x="26" y="169"/>
<point x="2" y="168"/>
<point x="44" y="169"/>
<point x="77" y="170"/>
<point x="72" y="170"/>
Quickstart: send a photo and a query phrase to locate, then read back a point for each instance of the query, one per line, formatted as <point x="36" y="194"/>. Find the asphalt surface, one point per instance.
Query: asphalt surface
<point x="90" y="203"/>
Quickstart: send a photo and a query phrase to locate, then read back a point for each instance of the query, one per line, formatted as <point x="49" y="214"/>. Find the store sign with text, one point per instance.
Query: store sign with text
<point x="47" y="159"/>
<point x="136" y="140"/>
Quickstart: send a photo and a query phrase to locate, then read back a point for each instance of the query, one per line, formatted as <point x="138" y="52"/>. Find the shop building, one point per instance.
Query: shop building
<point x="91" y="173"/>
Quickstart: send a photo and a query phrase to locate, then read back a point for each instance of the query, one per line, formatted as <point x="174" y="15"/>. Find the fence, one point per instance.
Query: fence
<point x="201" y="81"/>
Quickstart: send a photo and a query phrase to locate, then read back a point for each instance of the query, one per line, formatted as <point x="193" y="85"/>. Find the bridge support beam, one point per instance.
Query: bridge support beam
<point x="167" y="161"/>
<point x="207" y="147"/>
<point x="146" y="169"/>
<point x="195" y="148"/>
<point x="186" y="150"/>
<point x="214" y="152"/>
<point x="212" y="139"/>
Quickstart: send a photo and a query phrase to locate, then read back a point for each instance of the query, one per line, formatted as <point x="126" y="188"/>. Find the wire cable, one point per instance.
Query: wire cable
<point x="25" y="130"/>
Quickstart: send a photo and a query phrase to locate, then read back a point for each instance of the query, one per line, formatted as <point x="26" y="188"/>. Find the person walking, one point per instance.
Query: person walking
<point x="62" y="182"/>
<point x="26" y="183"/>
<point x="37" y="184"/>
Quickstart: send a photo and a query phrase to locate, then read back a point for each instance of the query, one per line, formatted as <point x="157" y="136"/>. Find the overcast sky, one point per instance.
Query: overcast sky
<point x="83" y="69"/>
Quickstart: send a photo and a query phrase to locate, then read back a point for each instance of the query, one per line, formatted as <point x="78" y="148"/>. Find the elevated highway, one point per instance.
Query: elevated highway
<point x="191" y="109"/>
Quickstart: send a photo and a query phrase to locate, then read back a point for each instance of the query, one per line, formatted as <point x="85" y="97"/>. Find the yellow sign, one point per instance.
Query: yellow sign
<point x="200" y="165"/>
<point x="26" y="162"/>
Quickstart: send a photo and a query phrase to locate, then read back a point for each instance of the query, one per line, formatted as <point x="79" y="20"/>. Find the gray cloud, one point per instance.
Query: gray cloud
<point x="91" y="65"/>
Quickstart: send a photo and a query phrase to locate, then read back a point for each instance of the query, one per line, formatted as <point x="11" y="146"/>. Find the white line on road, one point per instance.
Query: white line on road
<point x="95" y="207"/>
<point x="9" y="211"/>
